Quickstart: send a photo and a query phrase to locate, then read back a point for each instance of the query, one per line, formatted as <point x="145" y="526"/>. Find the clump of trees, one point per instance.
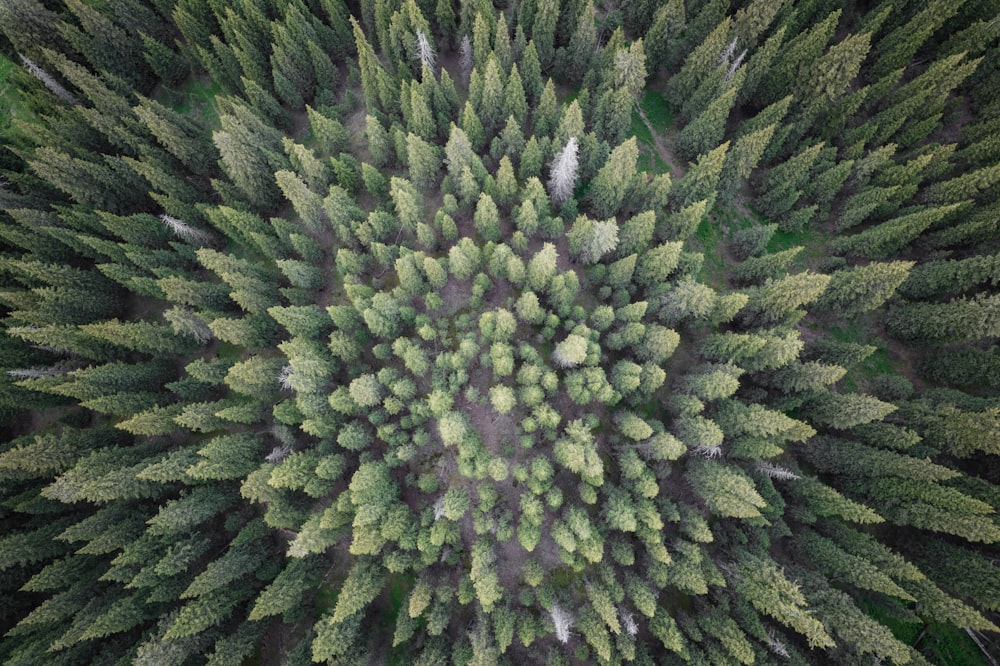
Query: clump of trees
<point x="346" y="323"/>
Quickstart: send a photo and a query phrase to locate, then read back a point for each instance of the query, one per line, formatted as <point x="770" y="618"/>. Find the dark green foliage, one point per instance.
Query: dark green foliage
<point x="313" y="331"/>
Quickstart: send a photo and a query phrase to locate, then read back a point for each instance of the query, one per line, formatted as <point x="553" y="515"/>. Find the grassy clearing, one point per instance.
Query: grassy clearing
<point x="862" y="330"/>
<point x="813" y="240"/>
<point x="710" y="239"/>
<point x="196" y="98"/>
<point x="7" y="97"/>
<point x="942" y="644"/>
<point x="11" y="105"/>
<point x="655" y="107"/>
<point x="649" y="159"/>
<point x="398" y="588"/>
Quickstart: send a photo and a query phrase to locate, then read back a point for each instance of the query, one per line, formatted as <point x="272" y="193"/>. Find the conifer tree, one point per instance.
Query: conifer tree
<point x="610" y="186"/>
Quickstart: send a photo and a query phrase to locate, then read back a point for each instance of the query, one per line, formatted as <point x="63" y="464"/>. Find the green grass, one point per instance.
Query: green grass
<point x="196" y="98"/>
<point x="943" y="644"/>
<point x="649" y="159"/>
<point x="950" y="646"/>
<point x="860" y="331"/>
<point x="655" y="107"/>
<point x="229" y="351"/>
<point x="706" y="240"/>
<point x="399" y="587"/>
<point x="905" y="632"/>
<point x="641" y="130"/>
<point x="10" y="102"/>
<point x="7" y="98"/>
<point x="709" y="238"/>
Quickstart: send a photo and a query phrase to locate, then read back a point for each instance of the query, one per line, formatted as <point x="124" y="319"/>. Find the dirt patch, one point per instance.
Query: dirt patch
<point x="487" y="423"/>
<point x="455" y="296"/>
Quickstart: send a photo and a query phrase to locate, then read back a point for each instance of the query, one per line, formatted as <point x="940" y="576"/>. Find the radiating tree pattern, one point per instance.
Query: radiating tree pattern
<point x="451" y="333"/>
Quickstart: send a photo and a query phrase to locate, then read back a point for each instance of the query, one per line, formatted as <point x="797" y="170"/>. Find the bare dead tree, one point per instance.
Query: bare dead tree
<point x="185" y="231"/>
<point x="278" y="453"/>
<point x="439" y="508"/>
<point x="36" y="373"/>
<point x="734" y="66"/>
<point x="707" y="451"/>
<point x="465" y="59"/>
<point x="727" y="52"/>
<point x="628" y="621"/>
<point x="562" y="172"/>
<point x="425" y="52"/>
<point x="563" y="621"/>
<point x="48" y="81"/>
<point x="285" y="377"/>
<point x="776" y="645"/>
<point x="776" y="472"/>
<point x="184" y="321"/>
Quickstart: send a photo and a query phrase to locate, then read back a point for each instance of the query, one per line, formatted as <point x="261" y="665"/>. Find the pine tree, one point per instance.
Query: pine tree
<point x="515" y="102"/>
<point x="609" y="187"/>
<point x="663" y="35"/>
<point x="582" y="47"/>
<point x="705" y="131"/>
<point x="725" y="490"/>
<point x="863" y="288"/>
<point x="767" y="588"/>
<point x="380" y="93"/>
<point x="543" y="29"/>
<point x="896" y="48"/>
<point x="887" y="238"/>
<point x="487" y="219"/>
<point x="701" y="181"/>
<point x="490" y="108"/>
<point x="424" y="162"/>
<point x="531" y="73"/>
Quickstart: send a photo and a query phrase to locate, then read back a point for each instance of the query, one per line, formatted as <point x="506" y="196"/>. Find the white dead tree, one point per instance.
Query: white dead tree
<point x="425" y="52"/>
<point x="563" y="621"/>
<point x="735" y="65"/>
<point x="562" y="172"/>
<point x="278" y="453"/>
<point x="628" y="621"/>
<point x="727" y="52"/>
<point x="185" y="231"/>
<point x="52" y="350"/>
<point x="707" y="451"/>
<point x="37" y="373"/>
<point x="465" y="58"/>
<point x="776" y="472"/>
<point x="184" y="321"/>
<point x="48" y="81"/>
<point x="776" y="646"/>
<point x="439" y="508"/>
<point x="285" y="377"/>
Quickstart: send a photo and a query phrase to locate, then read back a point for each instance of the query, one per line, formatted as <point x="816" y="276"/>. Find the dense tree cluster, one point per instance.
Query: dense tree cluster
<point x="371" y="332"/>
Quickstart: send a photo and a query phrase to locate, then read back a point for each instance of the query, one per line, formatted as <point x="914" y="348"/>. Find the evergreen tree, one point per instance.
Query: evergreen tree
<point x="705" y="131"/>
<point x="863" y="288"/>
<point x="610" y="186"/>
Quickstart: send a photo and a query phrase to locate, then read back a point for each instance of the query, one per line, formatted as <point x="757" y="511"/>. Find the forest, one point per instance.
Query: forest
<point x="483" y="332"/>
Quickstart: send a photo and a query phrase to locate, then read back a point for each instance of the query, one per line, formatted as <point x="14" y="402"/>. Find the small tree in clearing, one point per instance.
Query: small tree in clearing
<point x="562" y="174"/>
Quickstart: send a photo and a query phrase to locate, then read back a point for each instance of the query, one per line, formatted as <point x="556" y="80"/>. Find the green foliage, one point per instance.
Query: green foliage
<point x="305" y="339"/>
